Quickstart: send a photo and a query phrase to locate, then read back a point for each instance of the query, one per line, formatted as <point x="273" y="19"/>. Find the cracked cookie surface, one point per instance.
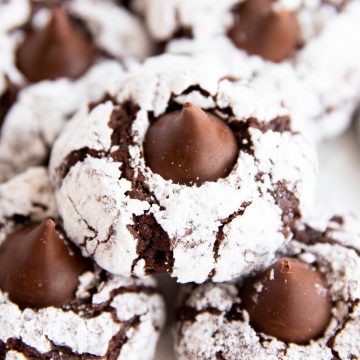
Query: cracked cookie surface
<point x="37" y="116"/>
<point x="144" y="223"/>
<point x="110" y="317"/>
<point x="32" y="121"/>
<point x="212" y="323"/>
<point x="323" y="69"/>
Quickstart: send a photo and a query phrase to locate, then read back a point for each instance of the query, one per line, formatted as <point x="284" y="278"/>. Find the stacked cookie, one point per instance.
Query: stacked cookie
<point x="196" y="163"/>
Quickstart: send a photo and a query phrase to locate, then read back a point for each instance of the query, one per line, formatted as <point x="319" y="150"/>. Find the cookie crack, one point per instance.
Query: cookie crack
<point x="154" y="245"/>
<point x="189" y="313"/>
<point x="58" y="352"/>
<point x="311" y="236"/>
<point x="289" y="205"/>
<point x="86" y="310"/>
<point x="75" y="157"/>
<point x="220" y="234"/>
<point x="332" y="340"/>
<point x="90" y="228"/>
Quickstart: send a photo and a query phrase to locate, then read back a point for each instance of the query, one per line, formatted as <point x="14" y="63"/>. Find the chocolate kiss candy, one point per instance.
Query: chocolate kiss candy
<point x="58" y="50"/>
<point x="260" y="29"/>
<point x="37" y="268"/>
<point x="288" y="301"/>
<point x="190" y="146"/>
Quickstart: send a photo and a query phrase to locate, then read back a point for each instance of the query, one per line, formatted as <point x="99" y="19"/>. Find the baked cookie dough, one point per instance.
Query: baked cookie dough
<point x="26" y="196"/>
<point x="212" y="322"/>
<point x="215" y="191"/>
<point x="71" y="51"/>
<point x="53" y="302"/>
<point x="303" y="43"/>
<point x="37" y="114"/>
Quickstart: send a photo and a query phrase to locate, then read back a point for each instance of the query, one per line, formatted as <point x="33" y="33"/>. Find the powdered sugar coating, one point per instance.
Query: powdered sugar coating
<point x="41" y="111"/>
<point x="38" y="115"/>
<point x="28" y="196"/>
<point x="212" y="323"/>
<point x="134" y="309"/>
<point x="214" y="228"/>
<point x="8" y="69"/>
<point x="13" y="14"/>
<point x="325" y="70"/>
<point x="109" y="312"/>
<point x="113" y="28"/>
<point x="14" y="355"/>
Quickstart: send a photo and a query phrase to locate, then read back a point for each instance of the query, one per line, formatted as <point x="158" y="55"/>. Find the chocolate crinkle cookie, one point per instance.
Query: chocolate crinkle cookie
<point x="94" y="26"/>
<point x="56" y="304"/>
<point x="306" y="44"/>
<point x="182" y="171"/>
<point x="55" y="56"/>
<point x="28" y="196"/>
<point x="305" y="305"/>
<point x="36" y="115"/>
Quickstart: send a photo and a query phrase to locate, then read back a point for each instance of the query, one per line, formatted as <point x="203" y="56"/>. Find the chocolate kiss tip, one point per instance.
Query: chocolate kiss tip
<point x="59" y="18"/>
<point x="193" y="112"/>
<point x="60" y="22"/>
<point x="48" y="224"/>
<point x="188" y="106"/>
<point x="38" y="269"/>
<point x="58" y="14"/>
<point x="286" y="266"/>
